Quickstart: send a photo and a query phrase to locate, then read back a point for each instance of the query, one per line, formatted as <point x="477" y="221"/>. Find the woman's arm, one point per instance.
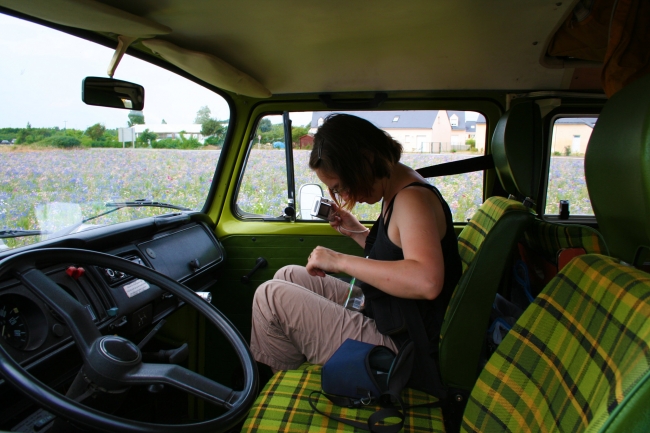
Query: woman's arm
<point x="415" y="226"/>
<point x="347" y="224"/>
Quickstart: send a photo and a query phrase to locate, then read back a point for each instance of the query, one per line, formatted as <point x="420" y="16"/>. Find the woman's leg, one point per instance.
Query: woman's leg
<point x="292" y="324"/>
<point x="328" y="287"/>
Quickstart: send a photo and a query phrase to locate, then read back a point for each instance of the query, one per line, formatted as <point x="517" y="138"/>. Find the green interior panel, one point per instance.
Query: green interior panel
<point x="235" y="298"/>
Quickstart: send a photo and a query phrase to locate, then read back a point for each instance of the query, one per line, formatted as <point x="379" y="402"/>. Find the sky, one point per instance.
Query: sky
<point x="41" y="64"/>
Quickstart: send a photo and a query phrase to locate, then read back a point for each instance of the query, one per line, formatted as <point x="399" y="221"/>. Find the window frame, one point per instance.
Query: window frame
<point x="592" y="110"/>
<point x="490" y="109"/>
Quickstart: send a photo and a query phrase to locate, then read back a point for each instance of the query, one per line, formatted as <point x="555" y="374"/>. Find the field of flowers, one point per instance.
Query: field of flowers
<point x="92" y="177"/>
<point x="263" y="189"/>
<point x="566" y="181"/>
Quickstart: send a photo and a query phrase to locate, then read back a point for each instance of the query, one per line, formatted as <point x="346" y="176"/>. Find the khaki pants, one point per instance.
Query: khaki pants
<point x="298" y="318"/>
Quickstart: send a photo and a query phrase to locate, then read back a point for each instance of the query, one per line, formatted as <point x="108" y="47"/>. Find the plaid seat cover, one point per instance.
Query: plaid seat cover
<point x="572" y="357"/>
<point x="283" y="406"/>
<point x="548" y="238"/>
<point x="473" y="235"/>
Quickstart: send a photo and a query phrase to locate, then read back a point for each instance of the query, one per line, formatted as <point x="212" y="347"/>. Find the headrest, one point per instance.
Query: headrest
<point x="517" y="150"/>
<point x="617" y="169"/>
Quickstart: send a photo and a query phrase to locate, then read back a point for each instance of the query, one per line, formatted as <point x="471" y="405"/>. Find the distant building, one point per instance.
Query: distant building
<point x="572" y="133"/>
<point x="172" y="130"/>
<point x="481" y="133"/>
<point x="306" y="140"/>
<point x="418" y="131"/>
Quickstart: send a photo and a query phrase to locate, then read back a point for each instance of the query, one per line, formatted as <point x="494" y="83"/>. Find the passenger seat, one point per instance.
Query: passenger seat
<point x="486" y="246"/>
<point x="578" y="358"/>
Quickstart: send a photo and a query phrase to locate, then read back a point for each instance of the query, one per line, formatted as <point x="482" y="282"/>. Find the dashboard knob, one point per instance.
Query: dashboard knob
<point x="58" y="330"/>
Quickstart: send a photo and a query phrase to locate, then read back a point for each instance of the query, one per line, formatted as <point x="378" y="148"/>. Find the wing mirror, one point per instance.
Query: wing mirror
<point x="108" y="92"/>
<point x="306" y="196"/>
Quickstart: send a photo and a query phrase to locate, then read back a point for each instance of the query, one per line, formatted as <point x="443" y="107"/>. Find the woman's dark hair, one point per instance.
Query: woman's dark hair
<point x="356" y="151"/>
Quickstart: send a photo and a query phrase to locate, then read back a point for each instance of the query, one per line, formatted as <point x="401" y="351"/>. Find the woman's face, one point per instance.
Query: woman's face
<point x="333" y="182"/>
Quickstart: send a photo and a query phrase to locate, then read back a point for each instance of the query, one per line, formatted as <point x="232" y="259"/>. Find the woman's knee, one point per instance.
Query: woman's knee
<point x="289" y="273"/>
<point x="268" y="294"/>
<point x="262" y="294"/>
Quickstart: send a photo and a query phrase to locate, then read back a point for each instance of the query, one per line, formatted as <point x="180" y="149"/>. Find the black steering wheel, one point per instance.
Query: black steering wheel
<point x="115" y="363"/>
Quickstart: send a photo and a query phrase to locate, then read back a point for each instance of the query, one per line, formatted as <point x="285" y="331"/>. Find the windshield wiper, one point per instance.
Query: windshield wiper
<point x="6" y="234"/>
<point x="117" y="205"/>
<point x="145" y="202"/>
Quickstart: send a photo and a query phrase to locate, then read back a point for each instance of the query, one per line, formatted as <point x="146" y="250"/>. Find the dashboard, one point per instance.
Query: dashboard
<point x="181" y="246"/>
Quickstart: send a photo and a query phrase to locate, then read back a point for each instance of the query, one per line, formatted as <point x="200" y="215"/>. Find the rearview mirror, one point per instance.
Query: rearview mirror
<point x="107" y="92"/>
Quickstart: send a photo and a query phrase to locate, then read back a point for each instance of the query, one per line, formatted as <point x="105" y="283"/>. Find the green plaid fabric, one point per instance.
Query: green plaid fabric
<point x="473" y="235"/>
<point x="548" y="238"/>
<point x="573" y="356"/>
<point x="283" y="406"/>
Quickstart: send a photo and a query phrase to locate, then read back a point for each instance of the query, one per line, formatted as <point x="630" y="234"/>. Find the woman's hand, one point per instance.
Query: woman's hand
<point x="323" y="260"/>
<point x="347" y="224"/>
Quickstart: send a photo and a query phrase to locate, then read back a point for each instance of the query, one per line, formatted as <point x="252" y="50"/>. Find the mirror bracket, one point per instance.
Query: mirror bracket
<point x="123" y="43"/>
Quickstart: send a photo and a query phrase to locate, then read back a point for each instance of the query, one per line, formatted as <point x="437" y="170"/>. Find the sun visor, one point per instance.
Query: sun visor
<point x="208" y="68"/>
<point x="89" y="15"/>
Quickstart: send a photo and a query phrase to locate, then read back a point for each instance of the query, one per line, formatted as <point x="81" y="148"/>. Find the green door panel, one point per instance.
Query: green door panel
<point x="234" y="298"/>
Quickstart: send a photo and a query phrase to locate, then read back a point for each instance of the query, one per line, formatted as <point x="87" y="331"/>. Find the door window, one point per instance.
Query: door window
<point x="263" y="189"/>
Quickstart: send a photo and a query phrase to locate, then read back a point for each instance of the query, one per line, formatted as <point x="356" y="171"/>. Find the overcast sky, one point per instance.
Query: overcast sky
<point x="42" y="70"/>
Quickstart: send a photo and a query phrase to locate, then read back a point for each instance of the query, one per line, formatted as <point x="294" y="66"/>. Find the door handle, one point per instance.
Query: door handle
<point x="259" y="264"/>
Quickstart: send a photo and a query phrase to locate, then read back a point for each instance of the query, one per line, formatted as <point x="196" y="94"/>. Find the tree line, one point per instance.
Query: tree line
<point x="272" y="133"/>
<point x="97" y="135"/>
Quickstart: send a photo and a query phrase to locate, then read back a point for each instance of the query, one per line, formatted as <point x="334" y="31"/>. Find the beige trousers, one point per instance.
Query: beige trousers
<point x="298" y="318"/>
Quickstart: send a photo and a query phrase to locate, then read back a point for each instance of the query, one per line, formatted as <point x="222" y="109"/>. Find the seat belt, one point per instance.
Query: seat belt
<point x="467" y="165"/>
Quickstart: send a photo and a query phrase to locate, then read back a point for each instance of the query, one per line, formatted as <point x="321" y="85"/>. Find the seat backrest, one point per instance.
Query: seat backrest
<point x="575" y="354"/>
<point x="578" y="359"/>
<point x="620" y="147"/>
<point x="545" y="245"/>
<point x="549" y="238"/>
<point x="485" y="246"/>
<point x="517" y="150"/>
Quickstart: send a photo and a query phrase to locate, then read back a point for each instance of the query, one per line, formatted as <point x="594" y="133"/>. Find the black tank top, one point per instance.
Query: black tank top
<point x="380" y="247"/>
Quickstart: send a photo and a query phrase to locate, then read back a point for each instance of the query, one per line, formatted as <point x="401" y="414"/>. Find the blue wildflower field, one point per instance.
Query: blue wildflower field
<point x="93" y="177"/>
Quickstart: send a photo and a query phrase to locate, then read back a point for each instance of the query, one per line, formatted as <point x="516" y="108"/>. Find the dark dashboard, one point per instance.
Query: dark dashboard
<point x="181" y="246"/>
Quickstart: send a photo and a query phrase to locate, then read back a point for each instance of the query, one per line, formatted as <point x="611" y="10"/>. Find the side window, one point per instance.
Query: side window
<point x="263" y="188"/>
<point x="566" y="177"/>
<point x="428" y="137"/>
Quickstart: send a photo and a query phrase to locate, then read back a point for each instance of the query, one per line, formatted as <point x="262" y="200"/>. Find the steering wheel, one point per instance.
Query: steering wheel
<point x="115" y="363"/>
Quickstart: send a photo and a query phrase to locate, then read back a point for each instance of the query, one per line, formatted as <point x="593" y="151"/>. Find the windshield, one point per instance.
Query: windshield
<point x="66" y="166"/>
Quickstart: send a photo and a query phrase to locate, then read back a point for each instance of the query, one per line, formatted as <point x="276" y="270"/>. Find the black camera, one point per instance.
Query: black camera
<point x="322" y="208"/>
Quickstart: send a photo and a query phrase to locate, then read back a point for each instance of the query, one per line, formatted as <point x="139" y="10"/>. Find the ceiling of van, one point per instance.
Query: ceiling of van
<point x="292" y="46"/>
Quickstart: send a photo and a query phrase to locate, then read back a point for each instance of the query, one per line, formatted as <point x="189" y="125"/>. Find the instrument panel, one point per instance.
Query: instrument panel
<point x="31" y="332"/>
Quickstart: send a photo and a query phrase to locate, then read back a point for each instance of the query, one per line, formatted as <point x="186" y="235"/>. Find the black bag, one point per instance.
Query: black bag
<point x="359" y="374"/>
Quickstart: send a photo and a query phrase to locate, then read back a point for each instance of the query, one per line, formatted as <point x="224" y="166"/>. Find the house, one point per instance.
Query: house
<point x="306" y="141"/>
<point x="470" y="129"/>
<point x="430" y="131"/>
<point x="480" y="133"/>
<point x="171" y="130"/>
<point x="571" y="135"/>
